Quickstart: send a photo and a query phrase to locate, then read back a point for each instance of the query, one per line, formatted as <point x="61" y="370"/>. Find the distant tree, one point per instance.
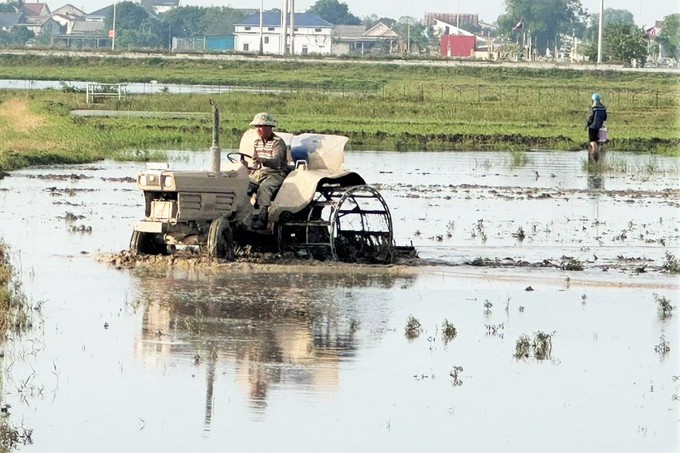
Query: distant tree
<point x="545" y="20"/>
<point x="10" y="6"/>
<point x="136" y="27"/>
<point x="185" y="21"/>
<point x="334" y="12"/>
<point x="609" y="16"/>
<point x="617" y="16"/>
<point x="194" y="21"/>
<point x="373" y="20"/>
<point x="624" y="42"/>
<point x="413" y="31"/>
<point x="17" y="36"/>
<point x="669" y="37"/>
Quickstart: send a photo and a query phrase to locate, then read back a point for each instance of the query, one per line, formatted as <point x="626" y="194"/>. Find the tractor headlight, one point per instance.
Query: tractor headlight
<point x="168" y="182"/>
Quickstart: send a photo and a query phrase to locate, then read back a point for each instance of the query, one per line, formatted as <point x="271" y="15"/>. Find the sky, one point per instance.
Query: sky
<point x="645" y="12"/>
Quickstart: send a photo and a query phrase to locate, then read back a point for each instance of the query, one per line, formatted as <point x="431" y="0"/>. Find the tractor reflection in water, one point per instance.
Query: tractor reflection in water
<point x="322" y="211"/>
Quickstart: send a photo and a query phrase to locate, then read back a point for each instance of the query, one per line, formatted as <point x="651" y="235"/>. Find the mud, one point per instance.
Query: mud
<point x="537" y="317"/>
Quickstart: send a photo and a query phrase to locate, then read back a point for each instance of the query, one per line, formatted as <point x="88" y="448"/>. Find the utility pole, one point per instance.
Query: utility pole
<point x="261" y="26"/>
<point x="408" y="39"/>
<point x="113" y="26"/>
<point x="292" y="27"/>
<point x="599" y="34"/>
<point x="458" y="19"/>
<point x="284" y="27"/>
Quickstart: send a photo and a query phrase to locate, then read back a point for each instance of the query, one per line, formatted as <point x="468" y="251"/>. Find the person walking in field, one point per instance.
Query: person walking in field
<point x="598" y="115"/>
<point x="270" y="156"/>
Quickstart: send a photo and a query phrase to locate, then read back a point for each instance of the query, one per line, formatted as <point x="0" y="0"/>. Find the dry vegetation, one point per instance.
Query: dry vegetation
<point x="15" y="316"/>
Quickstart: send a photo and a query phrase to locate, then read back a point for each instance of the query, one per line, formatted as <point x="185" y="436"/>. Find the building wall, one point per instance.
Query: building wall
<point x="306" y="40"/>
<point x="457" y="46"/>
<point x="219" y="42"/>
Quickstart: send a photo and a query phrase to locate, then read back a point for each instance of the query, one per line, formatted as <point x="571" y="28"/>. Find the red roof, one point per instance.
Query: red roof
<point x="34" y="9"/>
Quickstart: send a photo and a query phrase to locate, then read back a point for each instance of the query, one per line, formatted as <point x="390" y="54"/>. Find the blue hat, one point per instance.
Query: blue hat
<point x="595" y="97"/>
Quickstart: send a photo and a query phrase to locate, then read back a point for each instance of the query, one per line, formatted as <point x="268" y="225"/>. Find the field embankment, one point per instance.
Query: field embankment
<point x="379" y="106"/>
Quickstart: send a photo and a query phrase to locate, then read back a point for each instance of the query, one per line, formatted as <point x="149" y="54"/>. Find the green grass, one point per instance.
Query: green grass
<point x="379" y="106"/>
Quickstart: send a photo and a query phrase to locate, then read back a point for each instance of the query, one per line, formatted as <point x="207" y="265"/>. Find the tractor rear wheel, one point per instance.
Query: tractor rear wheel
<point x="350" y="224"/>
<point x="220" y="239"/>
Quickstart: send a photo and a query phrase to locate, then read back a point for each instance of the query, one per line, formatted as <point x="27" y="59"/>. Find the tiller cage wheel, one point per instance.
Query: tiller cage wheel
<point x="349" y="224"/>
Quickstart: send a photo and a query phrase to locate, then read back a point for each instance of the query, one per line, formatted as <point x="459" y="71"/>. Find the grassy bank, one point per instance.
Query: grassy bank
<point x="379" y="106"/>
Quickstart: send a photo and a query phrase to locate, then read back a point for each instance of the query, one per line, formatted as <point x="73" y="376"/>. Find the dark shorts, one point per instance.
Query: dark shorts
<point x="592" y="134"/>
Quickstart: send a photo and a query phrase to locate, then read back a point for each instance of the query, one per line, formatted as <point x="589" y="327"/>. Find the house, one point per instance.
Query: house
<point x="93" y="23"/>
<point x="457" y="46"/>
<point x="457" y="42"/>
<point x="355" y="39"/>
<point x="84" y="34"/>
<point x="42" y="25"/>
<point x="67" y="15"/>
<point x="85" y="30"/>
<point x="69" y="10"/>
<point x="84" y="27"/>
<point x="311" y="35"/>
<point x="35" y="9"/>
<point x="451" y="18"/>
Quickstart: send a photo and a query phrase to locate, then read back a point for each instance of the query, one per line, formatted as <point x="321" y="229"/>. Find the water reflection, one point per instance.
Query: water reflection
<point x="595" y="180"/>
<point x="296" y="333"/>
<point x="152" y="87"/>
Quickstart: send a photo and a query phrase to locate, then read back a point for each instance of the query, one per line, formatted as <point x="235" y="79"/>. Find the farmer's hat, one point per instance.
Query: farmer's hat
<point x="263" y="119"/>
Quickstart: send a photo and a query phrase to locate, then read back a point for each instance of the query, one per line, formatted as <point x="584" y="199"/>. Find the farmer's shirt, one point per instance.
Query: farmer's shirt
<point x="271" y="154"/>
<point x="597" y="116"/>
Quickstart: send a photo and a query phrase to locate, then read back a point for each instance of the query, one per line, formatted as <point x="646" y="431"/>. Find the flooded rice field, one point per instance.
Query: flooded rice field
<point x="532" y="321"/>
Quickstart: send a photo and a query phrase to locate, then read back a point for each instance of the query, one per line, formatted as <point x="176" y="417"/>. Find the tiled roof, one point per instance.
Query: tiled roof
<point x="101" y="12"/>
<point x="34" y="9"/>
<point x="81" y="27"/>
<point x="69" y="9"/>
<point x="273" y="19"/>
<point x="8" y="20"/>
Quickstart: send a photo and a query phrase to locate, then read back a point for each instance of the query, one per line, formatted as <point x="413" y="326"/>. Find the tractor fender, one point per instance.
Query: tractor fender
<point x="299" y="187"/>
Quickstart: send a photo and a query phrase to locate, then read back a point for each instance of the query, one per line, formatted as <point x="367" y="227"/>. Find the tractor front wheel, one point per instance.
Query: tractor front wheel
<point x="220" y="239"/>
<point x="143" y="243"/>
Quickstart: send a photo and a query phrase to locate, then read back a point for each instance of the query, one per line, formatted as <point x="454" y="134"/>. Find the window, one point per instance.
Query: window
<point x="305" y="49"/>
<point x="317" y="30"/>
<point x="246" y="47"/>
<point x="247" y="28"/>
<point x="266" y="39"/>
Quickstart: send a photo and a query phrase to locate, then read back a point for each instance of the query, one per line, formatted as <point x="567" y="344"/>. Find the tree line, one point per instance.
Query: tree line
<point x="548" y="23"/>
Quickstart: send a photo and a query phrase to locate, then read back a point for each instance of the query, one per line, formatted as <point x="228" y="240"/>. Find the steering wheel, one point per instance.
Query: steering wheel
<point x="241" y="157"/>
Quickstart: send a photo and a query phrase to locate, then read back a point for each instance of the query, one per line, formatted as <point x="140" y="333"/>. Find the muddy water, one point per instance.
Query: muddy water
<point x="304" y="358"/>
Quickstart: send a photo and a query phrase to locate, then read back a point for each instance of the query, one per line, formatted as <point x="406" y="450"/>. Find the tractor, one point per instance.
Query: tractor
<point x="321" y="211"/>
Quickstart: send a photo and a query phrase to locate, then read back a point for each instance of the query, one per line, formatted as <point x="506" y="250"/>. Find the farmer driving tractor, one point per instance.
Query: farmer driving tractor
<point x="270" y="160"/>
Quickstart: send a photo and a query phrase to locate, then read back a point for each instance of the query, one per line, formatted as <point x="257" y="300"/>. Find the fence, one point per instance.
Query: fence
<point x="97" y="91"/>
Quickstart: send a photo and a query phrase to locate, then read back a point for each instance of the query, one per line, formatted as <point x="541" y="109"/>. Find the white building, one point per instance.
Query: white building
<point x="311" y="34"/>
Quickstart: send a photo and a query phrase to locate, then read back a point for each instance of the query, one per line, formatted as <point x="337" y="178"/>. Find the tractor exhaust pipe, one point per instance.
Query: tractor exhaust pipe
<point x="215" y="148"/>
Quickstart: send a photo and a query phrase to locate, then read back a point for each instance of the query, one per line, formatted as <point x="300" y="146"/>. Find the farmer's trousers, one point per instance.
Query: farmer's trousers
<point x="266" y="182"/>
